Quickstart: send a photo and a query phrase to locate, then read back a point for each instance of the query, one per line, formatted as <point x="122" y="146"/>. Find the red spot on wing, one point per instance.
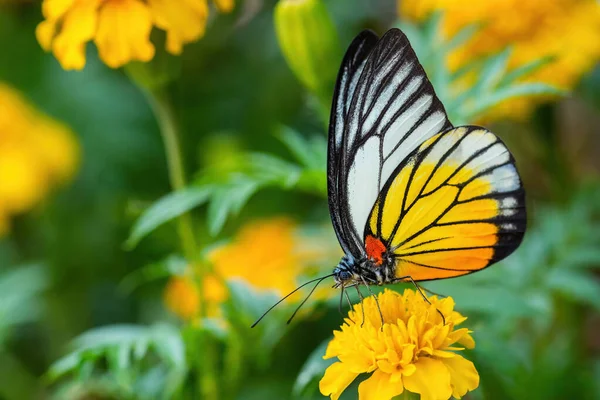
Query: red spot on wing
<point x="375" y="249"/>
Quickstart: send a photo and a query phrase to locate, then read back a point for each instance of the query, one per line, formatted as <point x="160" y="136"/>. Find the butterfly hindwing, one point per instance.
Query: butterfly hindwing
<point x="384" y="108"/>
<point x="455" y="206"/>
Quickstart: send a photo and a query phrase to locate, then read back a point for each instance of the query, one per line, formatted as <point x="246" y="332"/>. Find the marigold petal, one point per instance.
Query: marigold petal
<point x="386" y="366"/>
<point x="443" y="354"/>
<point x="467" y="341"/>
<point x="78" y="27"/>
<point x="362" y="360"/>
<point x="379" y="387"/>
<point x="184" y="22"/>
<point x="45" y="32"/>
<point x="55" y="9"/>
<point x="124" y="33"/>
<point x="431" y="380"/>
<point x="336" y="379"/>
<point x="463" y="375"/>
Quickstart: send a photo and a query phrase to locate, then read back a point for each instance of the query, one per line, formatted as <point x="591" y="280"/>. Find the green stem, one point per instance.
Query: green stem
<point x="168" y="129"/>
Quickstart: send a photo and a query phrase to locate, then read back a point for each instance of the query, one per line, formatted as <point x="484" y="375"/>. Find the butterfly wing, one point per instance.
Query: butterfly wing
<point x="455" y="206"/>
<point x="384" y="107"/>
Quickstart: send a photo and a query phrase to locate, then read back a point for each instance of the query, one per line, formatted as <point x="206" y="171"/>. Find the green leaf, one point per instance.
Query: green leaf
<point x="492" y="71"/>
<point x="172" y="265"/>
<point x="165" y="209"/>
<point x="460" y="38"/>
<point x="273" y="169"/>
<point x="583" y="256"/>
<point x="525" y="89"/>
<point x="299" y="147"/>
<point x="123" y="350"/>
<point x="20" y="296"/>
<point x="525" y="70"/>
<point x="575" y="285"/>
<point x="312" y="370"/>
<point x="229" y="199"/>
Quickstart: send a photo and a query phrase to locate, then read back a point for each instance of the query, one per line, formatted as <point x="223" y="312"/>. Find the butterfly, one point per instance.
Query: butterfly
<point x="412" y="198"/>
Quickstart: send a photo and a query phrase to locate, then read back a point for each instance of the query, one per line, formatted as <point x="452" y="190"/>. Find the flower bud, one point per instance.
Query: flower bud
<point x="309" y="43"/>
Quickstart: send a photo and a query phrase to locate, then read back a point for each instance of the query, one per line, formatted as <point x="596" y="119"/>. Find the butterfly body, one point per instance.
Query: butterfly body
<point x="352" y="272"/>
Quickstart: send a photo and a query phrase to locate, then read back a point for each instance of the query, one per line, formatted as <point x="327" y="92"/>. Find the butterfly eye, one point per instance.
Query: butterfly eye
<point x="345" y="275"/>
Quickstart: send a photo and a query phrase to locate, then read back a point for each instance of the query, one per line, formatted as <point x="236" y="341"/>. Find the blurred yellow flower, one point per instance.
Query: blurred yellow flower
<point x="267" y="254"/>
<point x="182" y="298"/>
<point x="120" y="28"/>
<point x="36" y="153"/>
<point x="414" y="350"/>
<point x="568" y="31"/>
<point x="264" y="254"/>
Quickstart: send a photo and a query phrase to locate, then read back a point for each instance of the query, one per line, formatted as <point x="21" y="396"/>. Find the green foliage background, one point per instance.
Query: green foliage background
<point x="254" y="141"/>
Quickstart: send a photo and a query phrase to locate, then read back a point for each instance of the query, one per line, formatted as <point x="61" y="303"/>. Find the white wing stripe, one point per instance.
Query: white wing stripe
<point x="363" y="181"/>
<point x="404" y="123"/>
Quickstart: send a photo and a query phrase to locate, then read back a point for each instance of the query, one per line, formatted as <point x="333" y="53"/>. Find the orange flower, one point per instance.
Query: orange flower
<point x="567" y="31"/>
<point x="36" y="153"/>
<point x="413" y="350"/>
<point x="120" y="28"/>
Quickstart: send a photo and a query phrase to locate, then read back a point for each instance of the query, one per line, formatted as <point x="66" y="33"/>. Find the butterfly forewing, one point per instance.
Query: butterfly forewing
<point x="453" y="207"/>
<point x="350" y="71"/>
<point x="384" y="108"/>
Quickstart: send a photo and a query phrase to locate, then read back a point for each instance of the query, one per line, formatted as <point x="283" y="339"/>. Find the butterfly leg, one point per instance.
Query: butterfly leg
<point x="376" y="302"/>
<point x="349" y="304"/>
<point x="341" y="299"/>
<point x="403" y="278"/>
<point x="362" y="305"/>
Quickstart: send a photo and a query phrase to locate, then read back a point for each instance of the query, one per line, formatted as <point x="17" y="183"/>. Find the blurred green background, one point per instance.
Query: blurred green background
<point x="251" y="115"/>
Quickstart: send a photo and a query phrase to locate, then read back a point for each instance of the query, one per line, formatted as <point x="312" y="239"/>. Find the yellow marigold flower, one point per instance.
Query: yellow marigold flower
<point x="565" y="30"/>
<point x="36" y="152"/>
<point x="119" y="28"/>
<point x="182" y="298"/>
<point x="414" y="350"/>
<point x="265" y="254"/>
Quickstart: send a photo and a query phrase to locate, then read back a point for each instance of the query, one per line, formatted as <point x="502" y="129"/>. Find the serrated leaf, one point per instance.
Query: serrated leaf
<point x="227" y="200"/>
<point x="273" y="169"/>
<point x="525" y="89"/>
<point x="165" y="209"/>
<point x="298" y="146"/>
<point x="63" y="366"/>
<point x="172" y="265"/>
<point x="460" y="38"/>
<point x="525" y="70"/>
<point x="492" y="71"/>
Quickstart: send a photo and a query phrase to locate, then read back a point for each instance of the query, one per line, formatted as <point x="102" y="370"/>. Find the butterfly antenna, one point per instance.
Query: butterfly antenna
<point x="307" y="297"/>
<point x="288" y="295"/>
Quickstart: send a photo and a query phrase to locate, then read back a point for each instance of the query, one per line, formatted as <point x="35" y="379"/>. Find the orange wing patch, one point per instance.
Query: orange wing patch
<point x="375" y="249"/>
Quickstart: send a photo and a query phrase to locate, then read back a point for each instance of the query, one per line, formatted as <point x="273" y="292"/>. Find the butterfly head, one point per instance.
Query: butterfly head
<point x="350" y="272"/>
